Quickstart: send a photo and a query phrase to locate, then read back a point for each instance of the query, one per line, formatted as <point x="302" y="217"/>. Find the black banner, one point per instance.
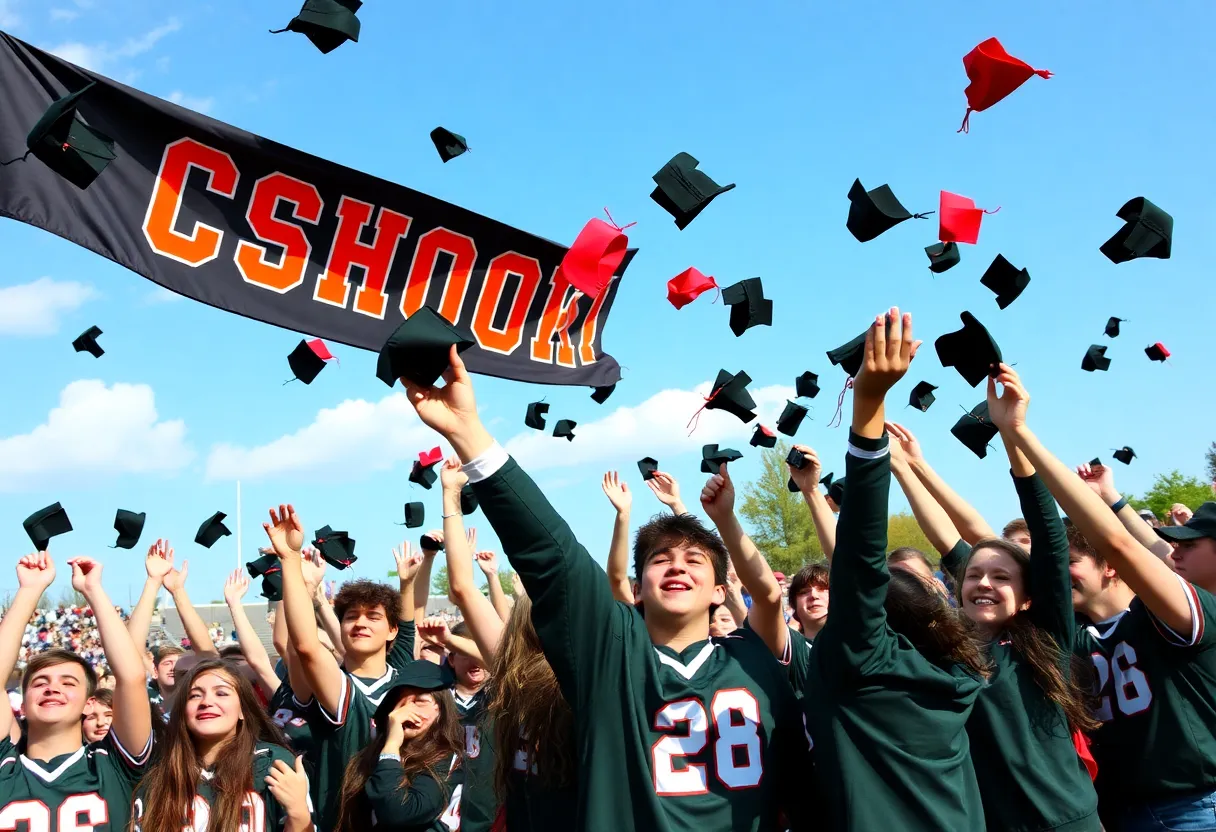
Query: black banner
<point x="251" y="226"/>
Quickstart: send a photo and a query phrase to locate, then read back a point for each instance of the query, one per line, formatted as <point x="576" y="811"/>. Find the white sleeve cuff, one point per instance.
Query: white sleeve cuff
<point x="486" y="465"/>
<point x="862" y="453"/>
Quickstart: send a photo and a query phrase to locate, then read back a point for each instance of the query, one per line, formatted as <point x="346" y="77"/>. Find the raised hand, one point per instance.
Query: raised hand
<point x="175" y="579"/>
<point x="1180" y="514"/>
<point x="517" y="586"/>
<point x="617" y="492"/>
<point x="665" y="488"/>
<point x="289" y="786"/>
<point x="450" y="475"/>
<point x="807" y="479"/>
<point x="470" y="536"/>
<point x="437" y="536"/>
<point x="488" y="561"/>
<point x="1008" y="410"/>
<point x="887" y="354"/>
<point x="452" y="409"/>
<point x="909" y="448"/>
<point x="36" y="571"/>
<point x="312" y="567"/>
<point x="86" y="575"/>
<point x="718" y="495"/>
<point x="435" y="630"/>
<point x="285" y="531"/>
<point x="408" y="561"/>
<point x="159" y="561"/>
<point x="1101" y="479"/>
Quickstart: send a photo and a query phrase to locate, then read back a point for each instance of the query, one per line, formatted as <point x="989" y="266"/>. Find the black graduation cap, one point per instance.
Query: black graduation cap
<point x="565" y="427"/>
<point x="449" y="144"/>
<point x="836" y="491"/>
<point x="428" y="542"/>
<point x="1157" y="352"/>
<point x="712" y="456"/>
<point x="806" y="386"/>
<point x="46" y="523"/>
<point x="748" y="305"/>
<point x="213" y="529"/>
<point x="468" y="500"/>
<point x="873" y="212"/>
<point x="826" y="480"/>
<point x="683" y="191"/>
<point x="327" y="23"/>
<point x="1148" y="233"/>
<point x="1112" y="327"/>
<point x="1095" y="463"/>
<point x="792" y="486"/>
<point x="129" y="526"/>
<point x="264" y="565"/>
<point x="762" y="437"/>
<point x="272" y="586"/>
<point x="647" y="466"/>
<point x="87" y="342"/>
<point x="1124" y="454"/>
<point x="791" y="418"/>
<point x="600" y="394"/>
<point x="1006" y="280"/>
<point x="975" y="430"/>
<point x="970" y="350"/>
<point x="943" y="256"/>
<point x="418" y="349"/>
<point x="412" y="676"/>
<point x="68" y="146"/>
<point x="1095" y="358"/>
<point x="851" y="355"/>
<point x="308" y="359"/>
<point x="922" y="396"/>
<point x="796" y="459"/>
<point x="535" y="417"/>
<point x="729" y="393"/>
<point x="335" y="547"/>
<point x="423" y="475"/>
<point x="415" y="515"/>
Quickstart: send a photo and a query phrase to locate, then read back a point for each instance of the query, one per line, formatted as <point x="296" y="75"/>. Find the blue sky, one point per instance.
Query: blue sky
<point x="570" y="108"/>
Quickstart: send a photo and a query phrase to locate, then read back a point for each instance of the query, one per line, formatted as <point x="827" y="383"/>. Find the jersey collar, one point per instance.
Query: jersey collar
<point x="51" y="776"/>
<point x="672" y="659"/>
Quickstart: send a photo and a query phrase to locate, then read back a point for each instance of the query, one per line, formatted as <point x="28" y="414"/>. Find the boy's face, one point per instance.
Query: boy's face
<point x="56" y="695"/>
<point x="366" y="630"/>
<point x="164" y="671"/>
<point x="678" y="582"/>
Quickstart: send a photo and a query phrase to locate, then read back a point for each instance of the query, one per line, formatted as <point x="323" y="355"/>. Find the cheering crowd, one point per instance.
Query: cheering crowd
<point x="1058" y="676"/>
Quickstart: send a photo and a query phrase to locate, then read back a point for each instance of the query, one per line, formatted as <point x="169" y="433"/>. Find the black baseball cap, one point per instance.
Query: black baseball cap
<point x="1201" y="524"/>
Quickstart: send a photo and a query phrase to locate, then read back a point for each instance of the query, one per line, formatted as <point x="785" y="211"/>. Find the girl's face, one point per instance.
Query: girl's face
<point x="213" y="707"/>
<point x="419" y="710"/>
<point x="994" y="589"/>
<point x="723" y="623"/>
<point x="97" y="719"/>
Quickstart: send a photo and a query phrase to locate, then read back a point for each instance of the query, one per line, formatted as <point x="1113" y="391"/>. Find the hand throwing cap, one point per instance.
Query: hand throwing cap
<point x="748" y="305"/>
<point x="129" y="526"/>
<point x="1006" y="280"/>
<point x="1148" y="232"/>
<point x="46" y="523"/>
<point x="993" y="73"/>
<point x="418" y="349"/>
<point x="796" y="459"/>
<point x="65" y="144"/>
<point x="449" y="144"/>
<point x="327" y="23"/>
<point x="213" y="529"/>
<point x="975" y="430"/>
<point x="647" y="465"/>
<point x="970" y="350"/>
<point x="683" y="191"/>
<point x="87" y="342"/>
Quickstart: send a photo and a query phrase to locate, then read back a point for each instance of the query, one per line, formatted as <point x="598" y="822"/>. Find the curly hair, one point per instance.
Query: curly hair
<point x="365" y="594"/>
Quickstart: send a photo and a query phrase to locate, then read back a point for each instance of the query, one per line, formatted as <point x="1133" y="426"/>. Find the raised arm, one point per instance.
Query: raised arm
<point x="930" y="516"/>
<point x="435" y="630"/>
<point x="822" y="517"/>
<point x="1102" y="480"/>
<point x="196" y="630"/>
<point x="618" y="551"/>
<point x="971" y="526"/>
<point x="667" y="490"/>
<point x="488" y="563"/>
<point x="35" y="573"/>
<point x="734" y="596"/>
<point x="158" y="563"/>
<point x="422" y="581"/>
<point x="251" y="646"/>
<point x="485" y="624"/>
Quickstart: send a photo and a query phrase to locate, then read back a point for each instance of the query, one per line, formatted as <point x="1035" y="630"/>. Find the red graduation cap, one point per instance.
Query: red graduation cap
<point x="431" y="457"/>
<point x="687" y="286"/>
<point x="1157" y="352"/>
<point x="994" y="73"/>
<point x="959" y="219"/>
<point x="596" y="253"/>
<point x="320" y="350"/>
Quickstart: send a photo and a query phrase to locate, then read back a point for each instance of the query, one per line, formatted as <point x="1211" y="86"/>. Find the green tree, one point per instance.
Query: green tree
<point x="506" y="581"/>
<point x="903" y="530"/>
<point x="71" y="598"/>
<point x="780" y="522"/>
<point x="439" y="582"/>
<point x="1174" y="487"/>
<point x="1210" y="459"/>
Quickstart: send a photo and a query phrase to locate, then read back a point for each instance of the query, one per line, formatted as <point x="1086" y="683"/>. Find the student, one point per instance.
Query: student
<point x="823" y="510"/>
<point x="98" y="715"/>
<point x="894" y="673"/>
<point x="52" y="780"/>
<point x="721" y="621"/>
<point x="224" y="765"/>
<point x="644" y="692"/>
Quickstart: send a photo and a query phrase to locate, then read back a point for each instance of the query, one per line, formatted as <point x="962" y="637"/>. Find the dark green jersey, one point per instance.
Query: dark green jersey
<point x="1157" y="703"/>
<point x="478" y="802"/>
<point x="889" y="727"/>
<point x="291" y="715"/>
<point x="418" y="808"/>
<point x="157" y="700"/>
<point x="88" y="790"/>
<point x="531" y="805"/>
<point x="696" y="740"/>
<point x="800" y="661"/>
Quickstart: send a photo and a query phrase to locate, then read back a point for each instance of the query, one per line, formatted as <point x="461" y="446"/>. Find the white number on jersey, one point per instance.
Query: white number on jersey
<point x="737" y="751"/>
<point x="1131" y="689"/>
<point x="451" y="816"/>
<point x="78" y="813"/>
<point x="253" y="815"/>
<point x="282" y="716"/>
<point x="472" y="741"/>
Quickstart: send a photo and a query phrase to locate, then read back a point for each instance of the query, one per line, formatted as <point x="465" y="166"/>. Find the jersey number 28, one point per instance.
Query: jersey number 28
<point x="736" y="726"/>
<point x="37" y="816"/>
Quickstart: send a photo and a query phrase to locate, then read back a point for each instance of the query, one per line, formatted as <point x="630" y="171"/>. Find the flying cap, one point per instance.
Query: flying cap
<point x="647" y="465"/>
<point x="970" y="350"/>
<point x="873" y="212"/>
<point x="922" y="396"/>
<point x="413" y="676"/>
<point x="748" y="305"/>
<point x="1201" y="524"/>
<point x="423" y="475"/>
<point x="327" y="23"/>
<point x="942" y="256"/>
<point x="65" y="144"/>
<point x="763" y="437"/>
<point x="975" y="430"/>
<point x="851" y="355"/>
<point x="791" y="418"/>
<point x="418" y="349"/>
<point x="1006" y="280"/>
<point x="806" y="386"/>
<point x="263" y="566"/>
<point x="449" y="144"/>
<point x="415" y="515"/>
<point x="599" y="395"/>
<point x="1095" y="359"/>
<point x="796" y="459"/>
<point x="308" y="359"/>
<point x="1096" y="462"/>
<point x="687" y="286"/>
<point x="729" y="393"/>
<point x="468" y="500"/>
<point x="1157" y="352"/>
<point x="594" y="256"/>
<point x="432" y="457"/>
<point x="213" y="529"/>
<point x="565" y="427"/>
<point x="129" y="526"/>
<point x="993" y="73"/>
<point x="1112" y="327"/>
<point x="272" y="586"/>
<point x="46" y="523"/>
<point x="683" y="191"/>
<point x="336" y="547"/>
<point x="87" y="342"/>
<point x="535" y="417"/>
<point x="1124" y="454"/>
<point x="1148" y="232"/>
<point x="712" y="456"/>
<point x="958" y="219"/>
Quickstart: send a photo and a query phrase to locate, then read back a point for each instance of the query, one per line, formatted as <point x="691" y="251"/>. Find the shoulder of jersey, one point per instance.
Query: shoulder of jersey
<point x="264" y="755"/>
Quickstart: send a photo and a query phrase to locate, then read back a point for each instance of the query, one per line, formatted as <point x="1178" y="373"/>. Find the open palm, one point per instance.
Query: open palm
<point x="285" y="531"/>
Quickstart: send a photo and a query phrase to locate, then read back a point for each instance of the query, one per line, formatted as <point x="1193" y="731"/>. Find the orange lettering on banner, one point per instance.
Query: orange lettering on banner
<point x="464" y="254"/>
<point x="507" y="340"/>
<point x="250" y="258"/>
<point x="202" y="244"/>
<point x="591" y="323"/>
<point x="561" y="304"/>
<point x="333" y="287"/>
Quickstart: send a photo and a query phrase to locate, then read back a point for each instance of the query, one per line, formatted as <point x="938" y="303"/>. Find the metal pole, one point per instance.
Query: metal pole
<point x="238" y="524"/>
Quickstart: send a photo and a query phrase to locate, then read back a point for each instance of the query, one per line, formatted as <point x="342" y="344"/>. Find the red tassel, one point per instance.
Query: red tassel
<point x="696" y="417"/>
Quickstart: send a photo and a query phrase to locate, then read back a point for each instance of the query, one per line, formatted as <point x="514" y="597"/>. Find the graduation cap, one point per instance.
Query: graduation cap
<point x="826" y="480"/>
<point x="806" y="386"/>
<point x="423" y="475"/>
<point x="970" y="350"/>
<point x="922" y="396"/>
<point x="1095" y="359"/>
<point x="46" y="523"/>
<point x="850" y="356"/>
<point x="428" y="542"/>
<point x="647" y="465"/>
<point x="264" y="565"/>
<point x="836" y="491"/>
<point x="748" y="305"/>
<point x="68" y="146"/>
<point x="432" y="457"/>
<point x="272" y="586"/>
<point x="792" y="486"/>
<point x="993" y="73"/>
<point x="213" y="529"/>
<point x="415" y="515"/>
<point x="712" y="456"/>
<point x="1006" y="280"/>
<point x="763" y="437"/>
<point x="418" y="349"/>
<point x="942" y="256"/>
<point x="1157" y="352"/>
<point x="791" y="418"/>
<point x="958" y="219"/>
<point x="308" y="359"/>
<point x="975" y="430"/>
<point x="594" y="256"/>
<point x="1124" y="454"/>
<point x="683" y="191"/>
<point x="565" y="427"/>
<point x="600" y="394"/>
<point x="87" y="342"/>
<point x="535" y="417"/>
<point x="449" y="144"/>
<point x="873" y="212"/>
<point x="796" y="459"/>
<point x="468" y="500"/>
<point x="327" y="23"/>
<point x="687" y="286"/>
<point x="335" y="547"/>
<point x="129" y="526"/>
<point x="1095" y="463"/>
<point x="1112" y="327"/>
<point x="1148" y="232"/>
<point x="729" y="393"/>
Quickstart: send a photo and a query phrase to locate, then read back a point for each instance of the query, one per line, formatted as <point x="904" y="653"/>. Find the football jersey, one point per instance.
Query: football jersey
<point x="704" y="739"/>
<point x="88" y="790"/>
<point x="1157" y="703"/>
<point x="478" y="802"/>
<point x="291" y="715"/>
<point x="533" y="805"/>
<point x="157" y="700"/>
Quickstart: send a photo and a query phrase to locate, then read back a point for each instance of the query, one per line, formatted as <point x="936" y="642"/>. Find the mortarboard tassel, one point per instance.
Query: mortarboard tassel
<point x="696" y="417"/>
<point x="834" y="422"/>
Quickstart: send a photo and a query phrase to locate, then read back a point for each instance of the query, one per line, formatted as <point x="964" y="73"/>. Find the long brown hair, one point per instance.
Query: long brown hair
<point x="431" y="753"/>
<point x="1037" y="646"/>
<point x="919" y="613"/>
<point x="171" y="783"/>
<point x="526" y="705"/>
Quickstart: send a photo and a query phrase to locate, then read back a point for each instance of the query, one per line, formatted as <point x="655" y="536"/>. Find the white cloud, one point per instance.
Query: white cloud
<point x="191" y="102"/>
<point x="100" y="56"/>
<point x="35" y="308"/>
<point x="657" y="425"/>
<point x="344" y="443"/>
<point x="95" y="431"/>
<point x="64" y="15"/>
<point x="161" y="295"/>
